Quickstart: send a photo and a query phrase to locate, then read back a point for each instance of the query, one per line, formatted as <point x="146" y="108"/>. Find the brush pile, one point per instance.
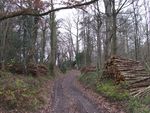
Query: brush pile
<point x="131" y="72"/>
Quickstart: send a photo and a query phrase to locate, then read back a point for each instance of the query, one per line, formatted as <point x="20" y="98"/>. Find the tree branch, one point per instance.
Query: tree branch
<point x="32" y="12"/>
<point x="121" y="6"/>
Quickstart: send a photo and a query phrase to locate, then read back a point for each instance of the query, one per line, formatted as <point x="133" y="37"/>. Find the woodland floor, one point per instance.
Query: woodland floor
<point x="69" y="96"/>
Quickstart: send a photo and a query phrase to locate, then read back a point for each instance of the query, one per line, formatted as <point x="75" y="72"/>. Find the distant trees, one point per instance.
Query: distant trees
<point x="94" y="33"/>
<point x="28" y="42"/>
<point x="111" y="24"/>
<point x="33" y="12"/>
<point x="98" y="16"/>
<point x="108" y="21"/>
<point x="119" y="29"/>
<point x="136" y="22"/>
<point x="147" y="27"/>
<point x="44" y="29"/>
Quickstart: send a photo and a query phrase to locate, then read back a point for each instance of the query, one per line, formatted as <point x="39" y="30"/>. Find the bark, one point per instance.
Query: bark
<point x="71" y="47"/>
<point x="53" y="41"/>
<point x="111" y="26"/>
<point x="136" y="39"/>
<point x="114" y="31"/>
<point x="35" y="33"/>
<point x="126" y="45"/>
<point x="98" y="30"/>
<point x="24" y="50"/>
<point x="43" y="44"/>
<point x="77" y="36"/>
<point x="108" y="21"/>
<point x="77" y="40"/>
<point x="147" y="41"/>
<point x="84" y="39"/>
<point x="147" y="30"/>
<point x="4" y="45"/>
<point x="32" y="36"/>
<point x="99" y="55"/>
<point x="88" y="43"/>
<point x="77" y="23"/>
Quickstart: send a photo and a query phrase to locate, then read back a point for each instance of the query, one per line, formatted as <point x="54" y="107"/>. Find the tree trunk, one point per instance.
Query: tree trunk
<point x="24" y="46"/>
<point x="35" y="33"/>
<point x="53" y="41"/>
<point x="99" y="44"/>
<point x="147" y="41"/>
<point x="88" y="44"/>
<point x="136" y="40"/>
<point x="77" y="45"/>
<point x="4" y="44"/>
<point x="114" y="30"/>
<point x="108" y="12"/>
<point x="43" y="44"/>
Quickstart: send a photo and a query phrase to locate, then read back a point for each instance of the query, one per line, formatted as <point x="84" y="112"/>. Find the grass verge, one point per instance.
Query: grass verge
<point x="115" y="93"/>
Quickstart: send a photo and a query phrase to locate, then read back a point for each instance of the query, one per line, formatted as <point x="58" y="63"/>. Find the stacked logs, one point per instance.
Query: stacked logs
<point x="33" y="69"/>
<point x="15" y="68"/>
<point x="130" y="71"/>
<point x="37" y="70"/>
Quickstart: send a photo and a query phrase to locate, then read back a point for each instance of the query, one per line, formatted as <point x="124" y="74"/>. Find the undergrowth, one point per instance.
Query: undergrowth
<point x="115" y="92"/>
<point x="90" y="79"/>
<point x="21" y="92"/>
<point x="135" y="105"/>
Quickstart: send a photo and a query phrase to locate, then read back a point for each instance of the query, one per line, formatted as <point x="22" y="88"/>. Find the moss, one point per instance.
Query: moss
<point x="146" y="100"/>
<point x="90" y="79"/>
<point x="135" y="106"/>
<point x="114" y="92"/>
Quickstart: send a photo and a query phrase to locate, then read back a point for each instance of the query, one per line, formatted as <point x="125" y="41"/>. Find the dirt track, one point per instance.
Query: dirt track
<point x="67" y="98"/>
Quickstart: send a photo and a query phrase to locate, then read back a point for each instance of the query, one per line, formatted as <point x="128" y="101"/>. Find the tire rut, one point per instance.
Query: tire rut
<point x="59" y="98"/>
<point x="84" y="105"/>
<point x="69" y="99"/>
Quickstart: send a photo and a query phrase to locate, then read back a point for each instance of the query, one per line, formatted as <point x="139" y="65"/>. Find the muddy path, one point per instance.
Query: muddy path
<point x="67" y="98"/>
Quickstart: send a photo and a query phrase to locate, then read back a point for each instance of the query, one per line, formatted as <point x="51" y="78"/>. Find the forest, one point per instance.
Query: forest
<point x="74" y="56"/>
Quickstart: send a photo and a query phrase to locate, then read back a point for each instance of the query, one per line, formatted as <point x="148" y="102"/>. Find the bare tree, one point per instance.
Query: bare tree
<point x="111" y="24"/>
<point x="33" y="12"/>
<point x="98" y="19"/>
<point x="146" y="5"/>
<point x="108" y="21"/>
<point x="136" y="38"/>
<point x="53" y="39"/>
<point x="4" y="44"/>
<point x="44" y="28"/>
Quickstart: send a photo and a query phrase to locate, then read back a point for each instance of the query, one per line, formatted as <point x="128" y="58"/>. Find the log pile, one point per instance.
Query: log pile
<point x="33" y="69"/>
<point x="130" y="71"/>
<point x="15" y="68"/>
<point x="37" y="70"/>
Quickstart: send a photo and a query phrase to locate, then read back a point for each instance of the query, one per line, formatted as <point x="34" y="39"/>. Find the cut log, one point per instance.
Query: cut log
<point x="37" y="70"/>
<point x="33" y="69"/>
<point x="135" y="75"/>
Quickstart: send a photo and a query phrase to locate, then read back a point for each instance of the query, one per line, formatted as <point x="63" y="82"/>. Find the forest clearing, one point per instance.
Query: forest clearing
<point x="74" y="56"/>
